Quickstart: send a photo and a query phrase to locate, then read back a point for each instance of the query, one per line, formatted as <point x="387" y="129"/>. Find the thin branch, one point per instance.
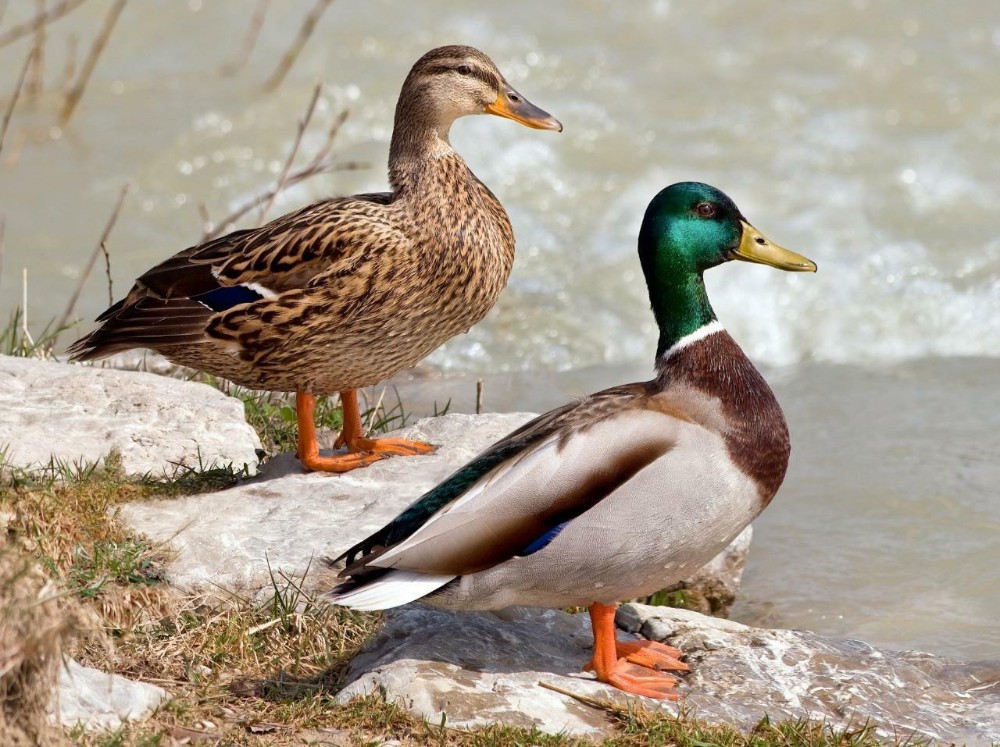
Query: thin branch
<point x="294" y="178"/>
<point x="13" y="99"/>
<point x="320" y="164"/>
<point x="107" y="272"/>
<point x="288" y="59"/>
<point x="331" y="135"/>
<point x="76" y="92"/>
<point x="262" y="627"/>
<point x="249" y="39"/>
<point x="3" y="247"/>
<point x="28" y="27"/>
<point x="303" y="124"/>
<point x="605" y="705"/>
<point x="36" y="77"/>
<point x="69" y="71"/>
<point x="90" y="263"/>
<point x="372" y="412"/>
<point x="206" y="219"/>
<point x="24" y="307"/>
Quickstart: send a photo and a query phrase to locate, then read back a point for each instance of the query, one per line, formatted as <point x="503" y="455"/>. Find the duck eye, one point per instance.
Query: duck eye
<point x="464" y="70"/>
<point x="705" y="209"/>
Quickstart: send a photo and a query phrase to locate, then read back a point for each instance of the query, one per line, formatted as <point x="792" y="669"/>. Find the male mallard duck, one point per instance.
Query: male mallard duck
<point x="346" y="292"/>
<point x="621" y="493"/>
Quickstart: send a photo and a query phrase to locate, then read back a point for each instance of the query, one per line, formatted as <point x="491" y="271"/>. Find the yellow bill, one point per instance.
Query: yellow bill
<point x="755" y="247"/>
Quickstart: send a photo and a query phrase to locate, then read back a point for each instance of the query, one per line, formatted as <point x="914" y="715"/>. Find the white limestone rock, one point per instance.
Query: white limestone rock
<point x="76" y="413"/>
<point x="479" y="668"/>
<point x="102" y="701"/>
<point x="287" y="520"/>
<point x="739" y="672"/>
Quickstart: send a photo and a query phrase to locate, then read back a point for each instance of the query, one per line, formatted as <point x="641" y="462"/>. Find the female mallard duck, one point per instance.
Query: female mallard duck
<point x="346" y="292"/>
<point x="621" y="493"/>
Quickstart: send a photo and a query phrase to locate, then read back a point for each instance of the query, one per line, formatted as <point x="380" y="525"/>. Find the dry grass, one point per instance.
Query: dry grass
<point x="242" y="671"/>
<point x="36" y="618"/>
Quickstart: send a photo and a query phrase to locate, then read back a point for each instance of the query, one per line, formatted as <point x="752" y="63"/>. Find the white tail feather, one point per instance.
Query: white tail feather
<point x="391" y="590"/>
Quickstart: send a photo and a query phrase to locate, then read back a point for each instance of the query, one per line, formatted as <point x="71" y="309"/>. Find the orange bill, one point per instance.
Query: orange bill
<point x="514" y="106"/>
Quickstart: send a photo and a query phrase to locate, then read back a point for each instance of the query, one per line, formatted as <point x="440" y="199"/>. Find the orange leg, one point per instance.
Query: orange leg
<point x="305" y="404"/>
<point x="635" y="678"/>
<point x="352" y="435"/>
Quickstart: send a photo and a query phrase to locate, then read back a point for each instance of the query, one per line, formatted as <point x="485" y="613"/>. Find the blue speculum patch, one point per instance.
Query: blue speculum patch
<point x="544" y="540"/>
<point x="226" y="297"/>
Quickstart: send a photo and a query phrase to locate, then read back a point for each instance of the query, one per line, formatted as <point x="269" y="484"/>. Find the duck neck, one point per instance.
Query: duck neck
<point x="419" y="135"/>
<point x="680" y="306"/>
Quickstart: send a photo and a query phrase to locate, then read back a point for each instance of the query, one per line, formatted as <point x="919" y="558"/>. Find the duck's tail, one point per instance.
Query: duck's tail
<point x="387" y="590"/>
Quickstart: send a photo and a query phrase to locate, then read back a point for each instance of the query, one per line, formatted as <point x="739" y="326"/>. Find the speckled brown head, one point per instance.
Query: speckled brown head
<point x="452" y="82"/>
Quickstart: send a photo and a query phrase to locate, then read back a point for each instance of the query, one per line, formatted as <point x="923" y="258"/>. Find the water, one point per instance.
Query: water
<point x="863" y="135"/>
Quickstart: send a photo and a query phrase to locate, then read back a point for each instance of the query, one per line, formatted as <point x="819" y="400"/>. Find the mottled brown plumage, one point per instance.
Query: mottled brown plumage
<point x="346" y="292"/>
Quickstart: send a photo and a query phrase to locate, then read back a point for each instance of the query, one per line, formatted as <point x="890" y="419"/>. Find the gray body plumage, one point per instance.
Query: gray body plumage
<point x="650" y="480"/>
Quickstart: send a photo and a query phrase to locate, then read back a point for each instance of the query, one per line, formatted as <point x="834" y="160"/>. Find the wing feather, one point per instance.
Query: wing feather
<point x="553" y="481"/>
<point x="310" y="248"/>
<point x="494" y="460"/>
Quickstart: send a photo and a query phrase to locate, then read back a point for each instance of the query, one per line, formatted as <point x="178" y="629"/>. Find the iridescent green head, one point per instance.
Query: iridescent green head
<point x="688" y="228"/>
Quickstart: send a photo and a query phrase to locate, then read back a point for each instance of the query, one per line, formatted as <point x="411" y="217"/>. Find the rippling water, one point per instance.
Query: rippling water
<point x="864" y="135"/>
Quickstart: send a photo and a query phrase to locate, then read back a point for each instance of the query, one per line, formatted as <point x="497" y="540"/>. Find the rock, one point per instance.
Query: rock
<point x="102" y="701"/>
<point x="741" y="672"/>
<point x="81" y="414"/>
<point x="479" y="668"/>
<point x="139" y="359"/>
<point x="286" y="519"/>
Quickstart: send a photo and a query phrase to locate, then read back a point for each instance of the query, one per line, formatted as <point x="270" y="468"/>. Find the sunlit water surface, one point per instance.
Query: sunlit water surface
<point x="864" y="135"/>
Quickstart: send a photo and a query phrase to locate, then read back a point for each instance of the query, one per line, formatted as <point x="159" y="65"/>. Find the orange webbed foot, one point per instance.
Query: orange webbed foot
<point x="634" y="667"/>
<point x="338" y="462"/>
<point x="361" y="451"/>
<point x="386" y="446"/>
<point x="352" y="434"/>
<point x="652" y="655"/>
<point x="638" y="680"/>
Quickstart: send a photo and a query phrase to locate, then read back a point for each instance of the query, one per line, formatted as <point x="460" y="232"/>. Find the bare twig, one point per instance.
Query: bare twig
<point x="605" y="705"/>
<point x="24" y="307"/>
<point x="320" y="164"/>
<point x="36" y="71"/>
<point x="262" y="627"/>
<point x="479" y="396"/>
<point x="107" y="271"/>
<point x="206" y="219"/>
<point x="249" y="40"/>
<point x="90" y="263"/>
<point x="294" y="178"/>
<point x="28" y="27"/>
<point x="303" y="124"/>
<point x="14" y="96"/>
<point x="372" y="412"/>
<point x="288" y="59"/>
<point x="69" y="71"/>
<point x="3" y="235"/>
<point x="76" y="92"/>
<point x="331" y="135"/>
